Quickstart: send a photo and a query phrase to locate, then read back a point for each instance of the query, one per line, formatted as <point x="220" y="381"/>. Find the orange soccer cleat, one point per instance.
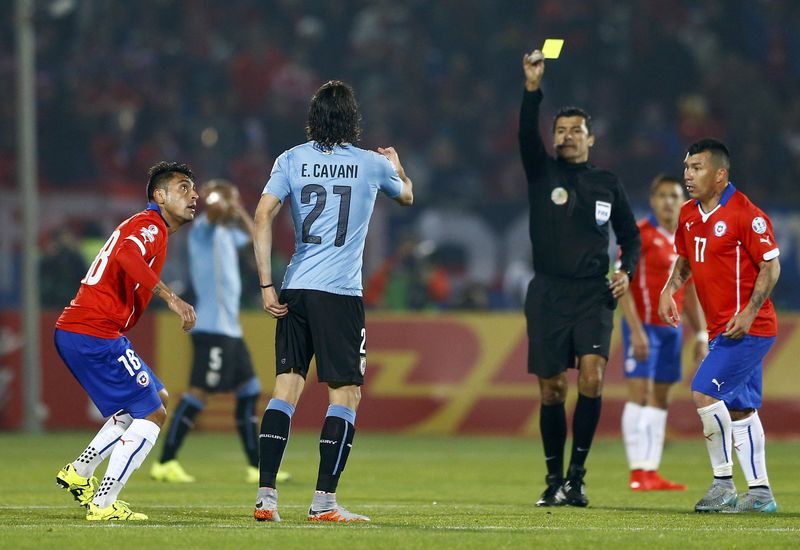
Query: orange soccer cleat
<point x="655" y="482"/>
<point x="338" y="514"/>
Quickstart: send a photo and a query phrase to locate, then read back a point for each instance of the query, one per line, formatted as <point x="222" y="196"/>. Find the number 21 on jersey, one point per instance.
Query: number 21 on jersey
<point x="700" y="249"/>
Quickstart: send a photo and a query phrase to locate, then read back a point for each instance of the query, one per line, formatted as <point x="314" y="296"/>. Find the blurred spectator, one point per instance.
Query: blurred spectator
<point x="61" y="266"/>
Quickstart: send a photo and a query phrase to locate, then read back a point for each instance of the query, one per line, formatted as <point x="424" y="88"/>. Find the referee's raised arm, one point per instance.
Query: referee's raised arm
<point x="530" y="141"/>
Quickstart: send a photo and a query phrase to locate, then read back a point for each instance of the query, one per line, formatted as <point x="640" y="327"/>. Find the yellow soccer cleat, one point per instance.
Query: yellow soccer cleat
<point x="170" y="472"/>
<point x="118" y="511"/>
<point x="253" y="475"/>
<point x="81" y="488"/>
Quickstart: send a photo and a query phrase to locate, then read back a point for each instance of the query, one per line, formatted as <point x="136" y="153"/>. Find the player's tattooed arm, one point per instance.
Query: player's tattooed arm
<point x="768" y="274"/>
<point x="183" y="309"/>
<point x="680" y="274"/>
<point x="667" y="308"/>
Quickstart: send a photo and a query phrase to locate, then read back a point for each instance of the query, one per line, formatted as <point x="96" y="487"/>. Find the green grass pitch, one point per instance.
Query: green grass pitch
<point x="421" y="492"/>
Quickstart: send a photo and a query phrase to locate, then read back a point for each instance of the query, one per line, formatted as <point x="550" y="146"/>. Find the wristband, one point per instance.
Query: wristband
<point x="266" y="286"/>
<point x="702" y="336"/>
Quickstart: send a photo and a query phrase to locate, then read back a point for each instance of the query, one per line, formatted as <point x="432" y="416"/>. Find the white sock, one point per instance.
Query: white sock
<point x="126" y="458"/>
<point x="632" y="435"/>
<point x="653" y="426"/>
<point x="717" y="429"/>
<point x="102" y="444"/>
<point x="748" y="438"/>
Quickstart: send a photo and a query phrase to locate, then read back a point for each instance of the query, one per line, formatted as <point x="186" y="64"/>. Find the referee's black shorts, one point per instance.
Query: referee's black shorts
<point x="327" y="326"/>
<point x="567" y="318"/>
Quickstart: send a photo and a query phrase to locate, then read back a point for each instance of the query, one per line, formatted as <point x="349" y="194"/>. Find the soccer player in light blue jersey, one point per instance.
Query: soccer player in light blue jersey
<point x="221" y="359"/>
<point x="331" y="186"/>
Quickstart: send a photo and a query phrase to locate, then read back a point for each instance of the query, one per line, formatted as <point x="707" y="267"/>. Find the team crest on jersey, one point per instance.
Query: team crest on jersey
<point x="759" y="225"/>
<point x="362" y="366"/>
<point x="602" y="212"/>
<point x="559" y="196"/>
<point x="149" y="233"/>
<point x="143" y="379"/>
<point x="720" y="228"/>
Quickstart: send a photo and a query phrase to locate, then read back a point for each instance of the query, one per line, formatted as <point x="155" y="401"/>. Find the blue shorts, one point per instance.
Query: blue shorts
<point x="731" y="371"/>
<point x="111" y="372"/>
<point x="663" y="363"/>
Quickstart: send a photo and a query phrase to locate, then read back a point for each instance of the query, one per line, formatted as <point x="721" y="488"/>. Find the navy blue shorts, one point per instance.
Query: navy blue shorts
<point x="111" y="372"/>
<point x="663" y="364"/>
<point x="731" y="371"/>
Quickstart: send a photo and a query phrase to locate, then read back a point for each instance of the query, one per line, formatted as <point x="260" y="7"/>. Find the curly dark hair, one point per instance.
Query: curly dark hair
<point x="159" y="175"/>
<point x="333" y="117"/>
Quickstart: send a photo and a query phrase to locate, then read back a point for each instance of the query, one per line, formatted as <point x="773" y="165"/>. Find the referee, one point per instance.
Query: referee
<point x="570" y="303"/>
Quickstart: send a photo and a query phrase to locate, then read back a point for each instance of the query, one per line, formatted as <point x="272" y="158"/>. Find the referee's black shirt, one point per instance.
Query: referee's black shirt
<point x="569" y="209"/>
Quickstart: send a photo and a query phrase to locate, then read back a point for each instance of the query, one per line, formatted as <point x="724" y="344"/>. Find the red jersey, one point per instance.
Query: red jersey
<point x="724" y="248"/>
<point x="118" y="286"/>
<point x="653" y="270"/>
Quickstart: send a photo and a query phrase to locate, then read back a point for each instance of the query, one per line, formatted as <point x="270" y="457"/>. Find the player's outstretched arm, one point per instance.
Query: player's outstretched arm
<point x="183" y="309"/>
<point x="639" y="340"/>
<point x="768" y="274"/>
<point x="268" y="207"/>
<point x="406" y="196"/>
<point x="667" y="308"/>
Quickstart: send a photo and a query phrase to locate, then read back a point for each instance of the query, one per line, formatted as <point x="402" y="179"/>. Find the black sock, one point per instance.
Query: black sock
<point x="273" y="439"/>
<point x="335" y="442"/>
<point x="246" y="425"/>
<point x="584" y="424"/>
<point x="182" y="422"/>
<point x="553" y="425"/>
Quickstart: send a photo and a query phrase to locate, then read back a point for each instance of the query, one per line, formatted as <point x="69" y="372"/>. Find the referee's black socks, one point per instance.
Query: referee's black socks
<point x="335" y="442"/>
<point x="584" y="424"/>
<point x="553" y="425"/>
<point x="272" y="440"/>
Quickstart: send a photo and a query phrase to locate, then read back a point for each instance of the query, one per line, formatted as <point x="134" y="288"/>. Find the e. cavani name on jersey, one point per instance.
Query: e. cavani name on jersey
<point x="329" y="170"/>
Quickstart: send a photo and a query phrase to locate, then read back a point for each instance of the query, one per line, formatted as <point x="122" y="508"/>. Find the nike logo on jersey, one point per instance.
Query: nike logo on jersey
<point x="719" y="384"/>
<point x="595" y="346"/>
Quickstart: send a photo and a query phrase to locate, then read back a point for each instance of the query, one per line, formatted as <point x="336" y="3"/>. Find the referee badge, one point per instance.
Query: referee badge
<point x="602" y="212"/>
<point x="559" y="196"/>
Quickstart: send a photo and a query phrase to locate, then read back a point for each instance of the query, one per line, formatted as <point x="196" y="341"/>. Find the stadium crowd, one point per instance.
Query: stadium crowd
<point x="222" y="86"/>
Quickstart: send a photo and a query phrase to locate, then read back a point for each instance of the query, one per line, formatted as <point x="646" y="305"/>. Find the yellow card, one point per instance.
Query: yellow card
<point x="552" y="48"/>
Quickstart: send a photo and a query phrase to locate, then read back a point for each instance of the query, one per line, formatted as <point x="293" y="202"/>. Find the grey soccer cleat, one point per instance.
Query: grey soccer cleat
<point x="266" y="508"/>
<point x="752" y="502"/>
<point x="718" y="498"/>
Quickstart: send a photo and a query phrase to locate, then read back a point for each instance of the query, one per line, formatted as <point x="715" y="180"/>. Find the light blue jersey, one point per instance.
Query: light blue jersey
<point x="214" y="270"/>
<point x="332" y="195"/>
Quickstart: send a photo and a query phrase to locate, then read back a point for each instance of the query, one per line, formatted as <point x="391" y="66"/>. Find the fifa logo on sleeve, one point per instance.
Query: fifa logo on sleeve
<point x="149" y="233"/>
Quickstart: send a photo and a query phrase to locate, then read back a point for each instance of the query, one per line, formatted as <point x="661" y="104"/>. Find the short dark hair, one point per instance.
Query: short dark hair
<point x="571" y="110"/>
<point x="161" y="173"/>
<point x="333" y="117"/>
<point x="662" y="178"/>
<point x="715" y="147"/>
